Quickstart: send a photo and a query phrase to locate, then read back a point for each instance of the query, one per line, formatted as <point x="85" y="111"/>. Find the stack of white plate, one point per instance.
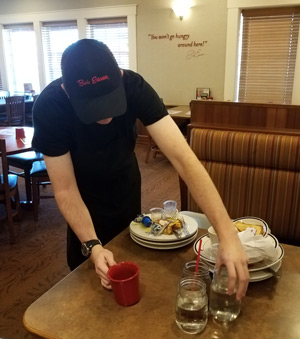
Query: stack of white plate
<point x="259" y="270"/>
<point x="142" y="236"/>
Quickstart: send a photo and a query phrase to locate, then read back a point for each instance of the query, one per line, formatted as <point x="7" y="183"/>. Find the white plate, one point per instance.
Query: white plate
<point x="163" y="246"/>
<point x="141" y="231"/>
<point x="256" y="275"/>
<point x="207" y="255"/>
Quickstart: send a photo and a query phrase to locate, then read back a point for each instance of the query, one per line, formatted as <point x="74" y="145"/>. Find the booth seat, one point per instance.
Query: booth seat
<point x="256" y="171"/>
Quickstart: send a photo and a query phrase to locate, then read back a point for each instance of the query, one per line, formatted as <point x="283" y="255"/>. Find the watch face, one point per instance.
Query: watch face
<point x="86" y="247"/>
<point x="85" y="250"/>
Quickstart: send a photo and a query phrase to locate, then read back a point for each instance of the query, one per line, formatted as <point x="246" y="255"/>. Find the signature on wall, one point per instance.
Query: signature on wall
<point x="194" y="54"/>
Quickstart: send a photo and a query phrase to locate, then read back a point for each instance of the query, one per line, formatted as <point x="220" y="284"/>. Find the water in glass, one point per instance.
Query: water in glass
<point x="202" y="273"/>
<point x="222" y="306"/>
<point x="191" y="305"/>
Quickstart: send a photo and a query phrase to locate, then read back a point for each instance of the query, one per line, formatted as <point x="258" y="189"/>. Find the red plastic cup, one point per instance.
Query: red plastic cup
<point x="124" y="278"/>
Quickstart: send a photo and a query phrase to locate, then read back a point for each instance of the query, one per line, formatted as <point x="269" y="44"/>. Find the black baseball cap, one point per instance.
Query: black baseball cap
<point x="93" y="81"/>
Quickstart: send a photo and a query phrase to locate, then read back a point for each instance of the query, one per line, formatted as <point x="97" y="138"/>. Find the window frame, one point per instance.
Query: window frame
<point x="81" y="16"/>
<point x="48" y="30"/>
<point x="232" y="44"/>
<point x="106" y="30"/>
<point x="12" y="31"/>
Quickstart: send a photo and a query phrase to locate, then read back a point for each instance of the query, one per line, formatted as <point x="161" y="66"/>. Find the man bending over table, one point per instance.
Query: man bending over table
<point x="84" y="124"/>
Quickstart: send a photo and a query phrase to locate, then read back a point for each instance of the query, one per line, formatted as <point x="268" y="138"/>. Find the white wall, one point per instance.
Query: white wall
<point x="164" y="65"/>
<point x="167" y="67"/>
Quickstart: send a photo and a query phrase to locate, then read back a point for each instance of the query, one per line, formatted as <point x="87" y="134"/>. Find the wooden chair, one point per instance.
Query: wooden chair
<point x="9" y="193"/>
<point x="28" y="111"/>
<point x="39" y="176"/>
<point x="4" y="94"/>
<point x="152" y="148"/>
<point x="15" y="112"/>
<point x="24" y="161"/>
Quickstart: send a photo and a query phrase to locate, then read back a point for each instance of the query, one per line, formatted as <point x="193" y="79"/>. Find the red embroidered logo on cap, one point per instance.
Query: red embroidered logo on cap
<point x="93" y="81"/>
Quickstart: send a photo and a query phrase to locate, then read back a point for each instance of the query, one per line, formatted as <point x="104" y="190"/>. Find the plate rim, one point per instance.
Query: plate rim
<point x="162" y="243"/>
<point x="158" y="246"/>
<point x="253" y="279"/>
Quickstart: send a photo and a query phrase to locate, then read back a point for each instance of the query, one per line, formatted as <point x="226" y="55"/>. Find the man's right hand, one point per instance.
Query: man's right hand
<point x="103" y="259"/>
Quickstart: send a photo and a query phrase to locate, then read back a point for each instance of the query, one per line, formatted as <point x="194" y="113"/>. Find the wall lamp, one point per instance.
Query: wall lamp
<point x="181" y="8"/>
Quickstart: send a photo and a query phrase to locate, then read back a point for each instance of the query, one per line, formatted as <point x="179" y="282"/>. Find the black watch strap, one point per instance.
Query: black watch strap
<point x="86" y="247"/>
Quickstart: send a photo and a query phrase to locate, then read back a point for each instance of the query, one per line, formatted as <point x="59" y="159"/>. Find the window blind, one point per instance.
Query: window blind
<point x="1" y="86"/>
<point x="20" y="57"/>
<point x="268" y="54"/>
<point x="56" y="36"/>
<point x="114" y="33"/>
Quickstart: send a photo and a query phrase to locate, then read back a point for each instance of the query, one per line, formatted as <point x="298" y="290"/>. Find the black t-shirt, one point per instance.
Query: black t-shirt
<point x="103" y="155"/>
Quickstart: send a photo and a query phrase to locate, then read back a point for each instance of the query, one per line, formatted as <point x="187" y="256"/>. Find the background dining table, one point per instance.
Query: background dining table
<point x="16" y="145"/>
<point x="79" y="307"/>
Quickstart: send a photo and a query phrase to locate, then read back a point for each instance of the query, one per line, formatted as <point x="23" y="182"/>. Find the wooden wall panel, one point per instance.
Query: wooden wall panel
<point x="245" y="114"/>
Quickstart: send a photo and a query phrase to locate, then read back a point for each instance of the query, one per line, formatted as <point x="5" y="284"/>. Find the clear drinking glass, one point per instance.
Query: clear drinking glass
<point x="170" y="209"/>
<point x="156" y="214"/>
<point x="202" y="273"/>
<point x="222" y="306"/>
<point x="191" y="305"/>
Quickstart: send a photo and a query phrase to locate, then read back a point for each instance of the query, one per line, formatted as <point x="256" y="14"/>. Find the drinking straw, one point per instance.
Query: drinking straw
<point x="198" y="256"/>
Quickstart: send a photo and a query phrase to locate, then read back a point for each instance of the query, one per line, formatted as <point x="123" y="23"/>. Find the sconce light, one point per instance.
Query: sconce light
<point x="181" y="8"/>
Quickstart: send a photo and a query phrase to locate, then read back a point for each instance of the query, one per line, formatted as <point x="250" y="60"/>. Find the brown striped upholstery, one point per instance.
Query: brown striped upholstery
<point x="256" y="173"/>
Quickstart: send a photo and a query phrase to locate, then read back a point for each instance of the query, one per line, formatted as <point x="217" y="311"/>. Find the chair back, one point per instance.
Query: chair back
<point x="15" y="110"/>
<point x="4" y="94"/>
<point x="8" y="192"/>
<point x="4" y="185"/>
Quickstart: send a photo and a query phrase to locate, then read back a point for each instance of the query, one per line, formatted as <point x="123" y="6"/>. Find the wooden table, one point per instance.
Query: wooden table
<point x="14" y="145"/>
<point x="79" y="307"/>
<point x="182" y="116"/>
<point x="180" y="112"/>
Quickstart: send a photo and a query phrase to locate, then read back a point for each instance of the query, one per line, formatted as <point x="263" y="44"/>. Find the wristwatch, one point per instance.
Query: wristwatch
<point x="86" y="247"/>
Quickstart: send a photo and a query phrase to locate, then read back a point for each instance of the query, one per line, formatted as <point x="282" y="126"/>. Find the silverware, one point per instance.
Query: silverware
<point x="177" y="233"/>
<point x="162" y="228"/>
<point x="184" y="226"/>
<point x="273" y="272"/>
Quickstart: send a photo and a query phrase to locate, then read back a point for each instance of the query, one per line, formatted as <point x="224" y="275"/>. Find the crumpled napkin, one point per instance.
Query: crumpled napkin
<point x="257" y="247"/>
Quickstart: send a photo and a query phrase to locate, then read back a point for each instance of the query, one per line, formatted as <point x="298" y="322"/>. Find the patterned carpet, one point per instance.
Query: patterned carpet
<point x="38" y="259"/>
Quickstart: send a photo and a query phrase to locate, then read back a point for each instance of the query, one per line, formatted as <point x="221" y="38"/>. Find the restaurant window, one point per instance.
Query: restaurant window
<point x="268" y="52"/>
<point x="20" y="54"/>
<point x="56" y="36"/>
<point x="114" y="33"/>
